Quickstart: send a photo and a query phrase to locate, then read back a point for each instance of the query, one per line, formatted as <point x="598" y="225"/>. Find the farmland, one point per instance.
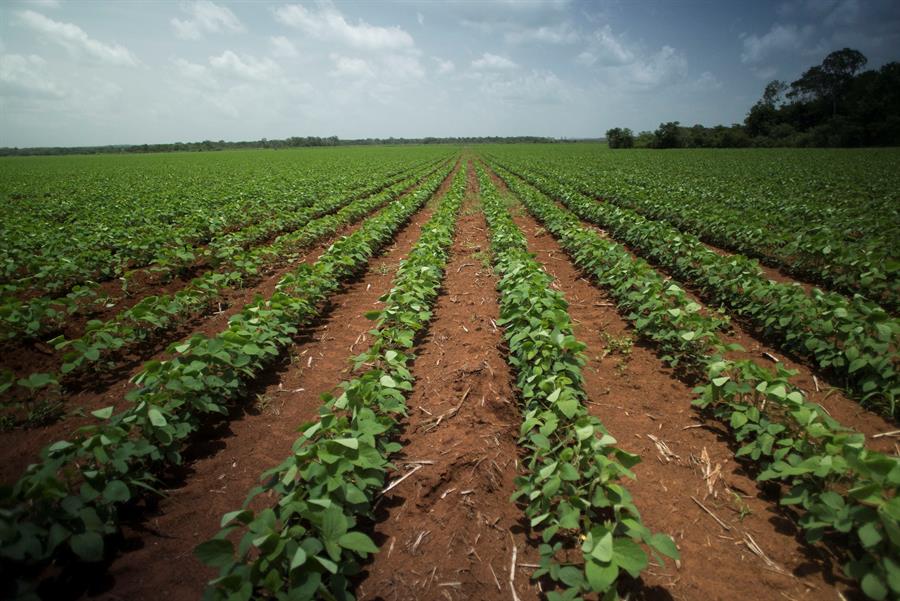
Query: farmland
<point x="493" y="372"/>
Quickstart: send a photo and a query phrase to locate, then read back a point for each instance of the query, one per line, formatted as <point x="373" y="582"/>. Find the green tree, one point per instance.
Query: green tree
<point x="830" y="80"/>
<point x="618" y="137"/>
<point x="764" y="115"/>
<point x="668" y="135"/>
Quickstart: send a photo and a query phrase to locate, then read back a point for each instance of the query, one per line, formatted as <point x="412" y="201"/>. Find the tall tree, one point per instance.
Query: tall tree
<point x="830" y="79"/>
<point x="620" y="138"/>
<point x="668" y="135"/>
<point x="773" y="93"/>
<point x="763" y="115"/>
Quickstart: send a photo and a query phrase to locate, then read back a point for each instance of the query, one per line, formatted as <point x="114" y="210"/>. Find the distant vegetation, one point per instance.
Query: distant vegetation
<point x="292" y="142"/>
<point x="832" y="104"/>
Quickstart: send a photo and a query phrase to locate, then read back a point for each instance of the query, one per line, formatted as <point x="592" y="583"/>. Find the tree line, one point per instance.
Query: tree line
<point x="292" y="142"/>
<point x="833" y="104"/>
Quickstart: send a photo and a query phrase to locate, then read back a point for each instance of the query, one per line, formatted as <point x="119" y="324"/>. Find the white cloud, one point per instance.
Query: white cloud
<point x="197" y="73"/>
<point x="25" y="74"/>
<point x="780" y="39"/>
<point x="346" y="66"/>
<point x="75" y="40"/>
<point x="403" y="67"/>
<point x="205" y="17"/>
<point x="420" y="18"/>
<point x="186" y="29"/>
<point x="283" y="47"/>
<point x="44" y="3"/>
<point x="523" y="88"/>
<point x="665" y="66"/>
<point x="707" y="81"/>
<point x="629" y="65"/>
<point x="562" y="33"/>
<point x="245" y="66"/>
<point x="235" y="85"/>
<point x="586" y="58"/>
<point x="327" y="23"/>
<point x="444" y="67"/>
<point x="606" y="49"/>
<point x="493" y="62"/>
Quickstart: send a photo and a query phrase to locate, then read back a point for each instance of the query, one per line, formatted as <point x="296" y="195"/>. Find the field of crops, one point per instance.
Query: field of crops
<point x="496" y="372"/>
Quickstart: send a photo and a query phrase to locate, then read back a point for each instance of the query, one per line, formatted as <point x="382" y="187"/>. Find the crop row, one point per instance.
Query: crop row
<point x="853" y="339"/>
<point x="840" y="490"/>
<point x="819" y="255"/>
<point x="35" y="316"/>
<point x="103" y="342"/>
<point x="827" y="217"/>
<point x="67" y="503"/>
<point x="308" y="541"/>
<point x="571" y="487"/>
<point x="67" y="227"/>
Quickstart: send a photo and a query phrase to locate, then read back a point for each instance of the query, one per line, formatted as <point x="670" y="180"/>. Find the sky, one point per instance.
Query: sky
<point x="130" y="72"/>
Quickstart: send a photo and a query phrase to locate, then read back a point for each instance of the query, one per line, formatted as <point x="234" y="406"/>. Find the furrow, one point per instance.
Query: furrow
<point x="640" y="399"/>
<point x="222" y="469"/>
<point x="450" y="525"/>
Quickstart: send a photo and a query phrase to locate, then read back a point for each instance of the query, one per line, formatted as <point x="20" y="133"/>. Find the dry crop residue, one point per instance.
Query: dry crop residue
<point x="222" y="469"/>
<point x="446" y="531"/>
<point x="648" y="410"/>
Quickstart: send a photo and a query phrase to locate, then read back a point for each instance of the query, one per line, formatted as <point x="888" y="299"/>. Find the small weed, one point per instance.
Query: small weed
<point x="266" y="404"/>
<point x="485" y="258"/>
<point x="7" y="423"/>
<point x="618" y="345"/>
<point x="43" y="413"/>
<point x="473" y="209"/>
<point x="740" y="506"/>
<point x="512" y="204"/>
<point x="126" y="281"/>
<point x="30" y="415"/>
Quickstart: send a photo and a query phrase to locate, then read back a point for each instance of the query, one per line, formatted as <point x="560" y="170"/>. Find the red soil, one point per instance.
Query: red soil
<point x="221" y="469"/>
<point x="20" y="447"/>
<point x="637" y="396"/>
<point x="447" y="531"/>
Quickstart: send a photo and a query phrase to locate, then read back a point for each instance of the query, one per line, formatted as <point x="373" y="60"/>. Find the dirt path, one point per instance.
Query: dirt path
<point x="636" y="396"/>
<point x="20" y="447"/>
<point x="445" y="532"/>
<point x="222" y="471"/>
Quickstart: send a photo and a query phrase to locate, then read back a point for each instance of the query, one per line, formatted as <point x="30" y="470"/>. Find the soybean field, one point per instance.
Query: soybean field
<point x="512" y="371"/>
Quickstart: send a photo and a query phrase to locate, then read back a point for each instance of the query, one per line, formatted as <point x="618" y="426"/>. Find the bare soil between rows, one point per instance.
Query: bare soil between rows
<point x="687" y="462"/>
<point x="20" y="447"/>
<point x="157" y="550"/>
<point x="447" y="530"/>
<point x="26" y="356"/>
<point x="814" y="383"/>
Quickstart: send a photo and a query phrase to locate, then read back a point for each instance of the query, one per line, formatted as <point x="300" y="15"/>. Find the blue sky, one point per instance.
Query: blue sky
<point x="84" y="73"/>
